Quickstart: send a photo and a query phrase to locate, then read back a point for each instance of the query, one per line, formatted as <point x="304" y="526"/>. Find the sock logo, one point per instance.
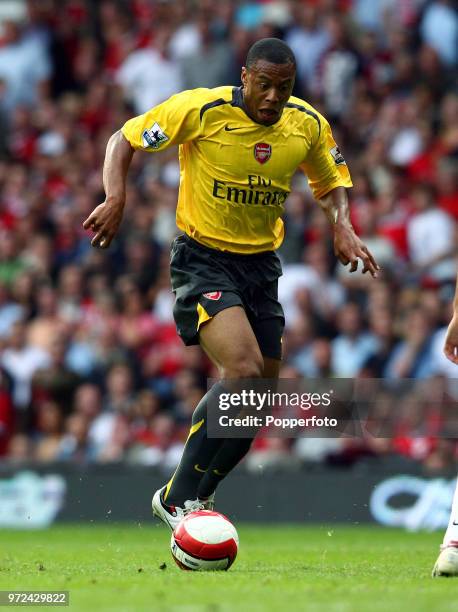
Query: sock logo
<point x="218" y="473"/>
<point x="198" y="469"/>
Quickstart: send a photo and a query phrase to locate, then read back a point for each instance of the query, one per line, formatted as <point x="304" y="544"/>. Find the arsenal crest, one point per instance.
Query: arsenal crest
<point x="212" y="295"/>
<point x="262" y="152"/>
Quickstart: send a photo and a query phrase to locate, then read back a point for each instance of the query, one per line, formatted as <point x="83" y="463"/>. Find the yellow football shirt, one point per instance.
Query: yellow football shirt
<point x="235" y="174"/>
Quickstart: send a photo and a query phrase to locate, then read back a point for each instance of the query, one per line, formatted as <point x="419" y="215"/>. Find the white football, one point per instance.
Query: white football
<point x="205" y="540"/>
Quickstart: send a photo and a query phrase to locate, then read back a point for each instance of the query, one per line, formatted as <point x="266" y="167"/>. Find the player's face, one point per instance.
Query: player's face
<point x="266" y="89"/>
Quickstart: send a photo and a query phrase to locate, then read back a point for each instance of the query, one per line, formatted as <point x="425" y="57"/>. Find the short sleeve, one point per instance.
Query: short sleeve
<point x="325" y="165"/>
<point x="175" y="121"/>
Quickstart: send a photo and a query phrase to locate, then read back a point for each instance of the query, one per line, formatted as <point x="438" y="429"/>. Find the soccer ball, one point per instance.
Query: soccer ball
<point x="204" y="540"/>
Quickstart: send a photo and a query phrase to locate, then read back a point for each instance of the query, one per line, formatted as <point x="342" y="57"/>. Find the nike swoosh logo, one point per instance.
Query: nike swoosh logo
<point x="198" y="469"/>
<point x="218" y="473"/>
<point x="229" y="129"/>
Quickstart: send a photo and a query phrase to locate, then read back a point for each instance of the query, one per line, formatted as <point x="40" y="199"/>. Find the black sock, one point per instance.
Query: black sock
<point x="226" y="458"/>
<point x="197" y="454"/>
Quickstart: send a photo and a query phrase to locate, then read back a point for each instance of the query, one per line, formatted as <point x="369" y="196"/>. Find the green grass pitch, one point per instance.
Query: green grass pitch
<point x="279" y="568"/>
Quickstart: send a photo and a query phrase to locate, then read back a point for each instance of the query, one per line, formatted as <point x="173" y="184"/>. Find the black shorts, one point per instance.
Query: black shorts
<point x="206" y="281"/>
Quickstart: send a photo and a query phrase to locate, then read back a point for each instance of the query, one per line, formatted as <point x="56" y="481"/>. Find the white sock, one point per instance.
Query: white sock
<point x="451" y="535"/>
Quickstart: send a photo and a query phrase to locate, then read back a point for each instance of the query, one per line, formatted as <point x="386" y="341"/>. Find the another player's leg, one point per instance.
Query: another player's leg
<point x="230" y="342"/>
<point x="447" y="562"/>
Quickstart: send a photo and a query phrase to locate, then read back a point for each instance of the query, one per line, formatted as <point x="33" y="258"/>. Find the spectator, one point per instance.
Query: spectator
<point x="411" y="357"/>
<point x="209" y="65"/>
<point x="19" y="449"/>
<point x="75" y="445"/>
<point x="149" y="76"/>
<point x="136" y="325"/>
<point x="297" y="345"/>
<point x="157" y="443"/>
<point x="108" y="433"/>
<point x="308" y="39"/>
<point x="353" y="345"/>
<point x="55" y="381"/>
<point x="49" y="426"/>
<point x="321" y="359"/>
<point x="24" y="66"/>
<point x="10" y="312"/>
<point x="327" y="294"/>
<point x="21" y="360"/>
<point x="381" y="325"/>
<point x="47" y="325"/>
<point x="338" y="69"/>
<point x="88" y="401"/>
<point x="439" y="28"/>
<point x="11" y="263"/>
<point x="431" y="237"/>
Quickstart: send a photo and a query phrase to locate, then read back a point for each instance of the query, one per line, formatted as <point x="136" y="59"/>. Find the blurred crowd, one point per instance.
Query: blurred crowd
<point x="92" y="369"/>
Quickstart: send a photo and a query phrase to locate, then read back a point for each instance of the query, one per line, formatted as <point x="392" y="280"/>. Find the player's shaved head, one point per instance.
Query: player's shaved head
<point x="268" y="80"/>
<point x="271" y="50"/>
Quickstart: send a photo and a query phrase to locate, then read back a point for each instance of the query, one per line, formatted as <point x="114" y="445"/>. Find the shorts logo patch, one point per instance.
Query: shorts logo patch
<point x="337" y="156"/>
<point x="153" y="137"/>
<point x="262" y="152"/>
<point x="213" y="295"/>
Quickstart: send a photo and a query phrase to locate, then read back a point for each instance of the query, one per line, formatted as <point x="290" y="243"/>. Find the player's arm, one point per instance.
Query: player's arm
<point x="451" y="339"/>
<point x="348" y="247"/>
<point x="106" y="218"/>
<point x="328" y="177"/>
<point x="175" y="121"/>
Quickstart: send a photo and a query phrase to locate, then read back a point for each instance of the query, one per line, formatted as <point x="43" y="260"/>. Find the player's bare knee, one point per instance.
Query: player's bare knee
<point x="245" y="367"/>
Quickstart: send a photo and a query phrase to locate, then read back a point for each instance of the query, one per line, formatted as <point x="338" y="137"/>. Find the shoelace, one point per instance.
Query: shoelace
<point x="194" y="507"/>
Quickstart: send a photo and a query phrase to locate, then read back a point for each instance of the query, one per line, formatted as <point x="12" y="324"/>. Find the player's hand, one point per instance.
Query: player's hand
<point x="451" y="340"/>
<point x="104" y="221"/>
<point x="348" y="248"/>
